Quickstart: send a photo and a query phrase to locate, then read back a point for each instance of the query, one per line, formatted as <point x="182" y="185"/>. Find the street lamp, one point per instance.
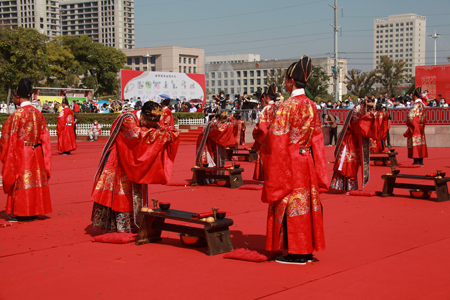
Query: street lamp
<point x="434" y="36"/>
<point x="148" y="57"/>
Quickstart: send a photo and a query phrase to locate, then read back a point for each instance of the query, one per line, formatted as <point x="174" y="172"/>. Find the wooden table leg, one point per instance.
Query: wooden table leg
<point x="393" y="160"/>
<point x="219" y="241"/>
<point x="236" y="180"/>
<point x="148" y="232"/>
<point x="441" y="191"/>
<point x="388" y="187"/>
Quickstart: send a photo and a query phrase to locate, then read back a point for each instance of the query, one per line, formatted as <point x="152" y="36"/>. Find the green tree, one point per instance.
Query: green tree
<point x="99" y="64"/>
<point x="360" y="83"/>
<point x="22" y="54"/>
<point x="277" y="75"/>
<point x="63" y="69"/>
<point x="391" y="73"/>
<point x="318" y="83"/>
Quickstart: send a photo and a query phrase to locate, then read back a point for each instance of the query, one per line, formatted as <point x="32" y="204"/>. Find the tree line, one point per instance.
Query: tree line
<point x="66" y="61"/>
<point x="389" y="75"/>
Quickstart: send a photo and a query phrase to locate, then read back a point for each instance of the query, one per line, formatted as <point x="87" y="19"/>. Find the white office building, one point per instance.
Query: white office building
<point x="402" y="38"/>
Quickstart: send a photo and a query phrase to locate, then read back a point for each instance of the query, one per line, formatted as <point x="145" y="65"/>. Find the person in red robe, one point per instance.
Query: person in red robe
<point x="353" y="146"/>
<point x="25" y="152"/>
<point x="416" y="120"/>
<point x="64" y="127"/>
<point x="140" y="151"/>
<point x="295" y="169"/>
<point x="167" y="118"/>
<point x="261" y="128"/>
<point x="215" y="138"/>
<point x="239" y="129"/>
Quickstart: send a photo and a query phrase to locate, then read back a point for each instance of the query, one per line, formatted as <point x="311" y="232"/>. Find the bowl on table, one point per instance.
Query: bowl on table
<point x="237" y="166"/>
<point x="420" y="194"/>
<point x="395" y="172"/>
<point x="221" y="182"/>
<point x="205" y="165"/>
<point x="242" y="158"/>
<point x="164" y="205"/>
<point x="221" y="214"/>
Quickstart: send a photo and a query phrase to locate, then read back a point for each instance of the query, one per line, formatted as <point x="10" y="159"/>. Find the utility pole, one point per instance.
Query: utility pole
<point x="434" y="36"/>
<point x="336" y="65"/>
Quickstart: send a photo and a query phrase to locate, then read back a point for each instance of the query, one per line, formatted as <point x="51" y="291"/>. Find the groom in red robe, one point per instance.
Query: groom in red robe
<point x="66" y="134"/>
<point x="417" y="118"/>
<point x="140" y="151"/>
<point x="295" y="172"/>
<point x="25" y="152"/>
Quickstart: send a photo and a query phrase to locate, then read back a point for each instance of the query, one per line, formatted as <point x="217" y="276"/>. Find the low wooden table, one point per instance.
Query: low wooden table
<point x="440" y="185"/>
<point x="251" y="154"/>
<point x="153" y="223"/>
<point x="234" y="176"/>
<point x="384" y="157"/>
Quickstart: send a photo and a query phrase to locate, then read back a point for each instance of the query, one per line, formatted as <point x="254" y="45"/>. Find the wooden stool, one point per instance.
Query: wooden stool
<point x="384" y="157"/>
<point x="440" y="185"/>
<point x="234" y="176"/>
<point x="153" y="223"/>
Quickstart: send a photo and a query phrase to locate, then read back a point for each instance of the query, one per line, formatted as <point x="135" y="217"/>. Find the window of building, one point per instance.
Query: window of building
<point x="195" y="60"/>
<point x="265" y="72"/>
<point x="245" y="81"/>
<point x="245" y="90"/>
<point x="252" y="90"/>
<point x="258" y="81"/>
<point x="265" y="80"/>
<point x="232" y="90"/>
<point x="195" y="69"/>
<point x="245" y="73"/>
<point x="219" y="82"/>
<point x="179" y="69"/>
<point x="184" y="69"/>
<point x="184" y="59"/>
<point x="136" y="60"/>
<point x="252" y="73"/>
<point x="219" y="74"/>
<point x="231" y="82"/>
<point x="225" y="74"/>
<point x="252" y="81"/>
<point x="213" y="75"/>
<point x="129" y="61"/>
<point x="225" y="82"/>
<point x="238" y="82"/>
<point x="213" y="82"/>
<point x="137" y="69"/>
<point x="258" y="73"/>
<point x="238" y="73"/>
<point x="190" y="70"/>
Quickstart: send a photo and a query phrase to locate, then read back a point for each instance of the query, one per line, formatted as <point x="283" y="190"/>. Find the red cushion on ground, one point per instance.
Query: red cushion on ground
<point x="251" y="187"/>
<point x="183" y="183"/>
<point x="364" y="193"/>
<point x="115" y="238"/>
<point x="252" y="255"/>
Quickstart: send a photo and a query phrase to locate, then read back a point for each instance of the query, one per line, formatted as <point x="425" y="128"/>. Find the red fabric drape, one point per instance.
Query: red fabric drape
<point x="416" y="142"/>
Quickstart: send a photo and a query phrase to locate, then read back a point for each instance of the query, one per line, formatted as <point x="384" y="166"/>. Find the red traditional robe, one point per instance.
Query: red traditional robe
<point x="259" y="134"/>
<point x="416" y="143"/>
<point x="295" y="174"/>
<point x="133" y="157"/>
<point x="25" y="152"/>
<point x="167" y="118"/>
<point x="211" y="143"/>
<point x="66" y="134"/>
<point x="239" y="132"/>
<point x="351" y="152"/>
<point x="376" y="146"/>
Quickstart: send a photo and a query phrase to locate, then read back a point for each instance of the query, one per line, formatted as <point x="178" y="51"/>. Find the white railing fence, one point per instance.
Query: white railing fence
<point x="191" y="121"/>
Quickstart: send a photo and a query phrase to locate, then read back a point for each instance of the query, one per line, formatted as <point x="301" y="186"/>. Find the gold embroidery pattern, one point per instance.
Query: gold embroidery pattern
<point x="106" y="181"/>
<point x="31" y="179"/>
<point x="123" y="185"/>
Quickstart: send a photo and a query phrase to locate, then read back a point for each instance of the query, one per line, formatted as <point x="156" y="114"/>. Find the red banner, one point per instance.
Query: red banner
<point x="435" y="79"/>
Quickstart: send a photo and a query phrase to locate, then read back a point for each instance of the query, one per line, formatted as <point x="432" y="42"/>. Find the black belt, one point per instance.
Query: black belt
<point x="33" y="146"/>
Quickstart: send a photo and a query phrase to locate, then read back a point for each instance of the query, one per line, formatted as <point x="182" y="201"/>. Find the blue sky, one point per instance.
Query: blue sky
<point x="282" y="29"/>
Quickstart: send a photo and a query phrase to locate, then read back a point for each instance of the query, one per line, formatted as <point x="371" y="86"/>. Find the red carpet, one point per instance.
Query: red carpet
<point x="378" y="248"/>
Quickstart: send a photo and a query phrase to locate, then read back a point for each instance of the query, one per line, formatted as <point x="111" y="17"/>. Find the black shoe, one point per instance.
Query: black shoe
<point x="294" y="259"/>
<point x="22" y="219"/>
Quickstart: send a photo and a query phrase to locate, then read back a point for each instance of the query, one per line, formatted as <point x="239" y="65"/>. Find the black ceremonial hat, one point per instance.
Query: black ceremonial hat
<point x="418" y="92"/>
<point x="25" y="88"/>
<point x="301" y="70"/>
<point x="271" y="90"/>
<point x="166" y="102"/>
